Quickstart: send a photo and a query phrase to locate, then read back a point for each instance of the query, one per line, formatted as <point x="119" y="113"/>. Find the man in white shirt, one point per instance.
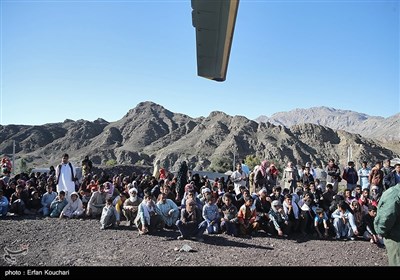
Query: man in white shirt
<point x="363" y="174"/>
<point x="65" y="174"/>
<point x="238" y="178"/>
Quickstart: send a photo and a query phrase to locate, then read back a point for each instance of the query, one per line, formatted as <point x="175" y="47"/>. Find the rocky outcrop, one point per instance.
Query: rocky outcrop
<point x="149" y="132"/>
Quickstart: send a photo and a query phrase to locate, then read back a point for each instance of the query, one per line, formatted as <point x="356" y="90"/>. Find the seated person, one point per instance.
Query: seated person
<point x="109" y="215"/>
<point x="278" y="219"/>
<point x="189" y="224"/>
<point x="344" y="222"/>
<point x="190" y="193"/>
<point x="247" y="217"/>
<point x="211" y="215"/>
<point x="263" y="205"/>
<point x="34" y="203"/>
<point x="86" y="195"/>
<point x="293" y="213"/>
<point x="96" y="203"/>
<point x="147" y="219"/>
<point x="276" y="194"/>
<point x="229" y="221"/>
<point x="19" y="200"/>
<point x="131" y="205"/>
<point x="321" y="223"/>
<point x="239" y="198"/>
<point x="110" y="190"/>
<point x="168" y="210"/>
<point x="3" y="204"/>
<point x="74" y="208"/>
<point x="118" y="203"/>
<point x="47" y="199"/>
<point x="370" y="233"/>
<point x="58" y="205"/>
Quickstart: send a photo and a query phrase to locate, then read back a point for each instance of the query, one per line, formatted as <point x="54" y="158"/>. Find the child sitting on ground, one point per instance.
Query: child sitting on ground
<point x="108" y="215"/>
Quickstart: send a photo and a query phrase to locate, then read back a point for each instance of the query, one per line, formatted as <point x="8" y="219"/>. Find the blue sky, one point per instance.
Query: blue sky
<point x="90" y="59"/>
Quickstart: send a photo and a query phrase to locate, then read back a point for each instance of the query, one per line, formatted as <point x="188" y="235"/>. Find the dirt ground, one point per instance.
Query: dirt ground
<point x="54" y="242"/>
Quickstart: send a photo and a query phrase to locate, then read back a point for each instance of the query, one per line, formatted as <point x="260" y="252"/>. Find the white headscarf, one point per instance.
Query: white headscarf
<point x="133" y="195"/>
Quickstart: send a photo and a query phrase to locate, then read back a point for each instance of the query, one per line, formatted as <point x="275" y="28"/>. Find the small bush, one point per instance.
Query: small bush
<point x="111" y="162"/>
<point x="221" y="165"/>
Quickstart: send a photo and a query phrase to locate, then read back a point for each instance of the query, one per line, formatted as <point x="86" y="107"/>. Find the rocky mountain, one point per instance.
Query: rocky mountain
<point x="149" y="132"/>
<point x="382" y="129"/>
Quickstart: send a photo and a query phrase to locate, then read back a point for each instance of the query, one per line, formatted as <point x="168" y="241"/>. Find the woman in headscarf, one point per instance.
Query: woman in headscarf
<point x="260" y="180"/>
<point x="290" y="177"/>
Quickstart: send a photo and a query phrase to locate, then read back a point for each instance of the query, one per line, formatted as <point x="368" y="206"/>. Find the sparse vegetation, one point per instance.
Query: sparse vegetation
<point x="252" y="161"/>
<point x="22" y="166"/>
<point x="221" y="164"/>
<point x="111" y="162"/>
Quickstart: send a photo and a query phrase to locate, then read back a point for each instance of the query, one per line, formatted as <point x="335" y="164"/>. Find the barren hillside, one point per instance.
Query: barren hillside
<point x="149" y="131"/>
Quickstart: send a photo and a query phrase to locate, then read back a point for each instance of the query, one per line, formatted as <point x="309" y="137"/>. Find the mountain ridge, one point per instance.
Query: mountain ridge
<point x="375" y="127"/>
<point x="149" y="132"/>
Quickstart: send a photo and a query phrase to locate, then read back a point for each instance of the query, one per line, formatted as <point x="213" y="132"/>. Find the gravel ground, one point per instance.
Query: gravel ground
<point x="54" y="242"/>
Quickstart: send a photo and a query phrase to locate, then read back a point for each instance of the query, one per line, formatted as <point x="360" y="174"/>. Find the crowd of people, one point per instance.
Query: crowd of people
<point x="280" y="203"/>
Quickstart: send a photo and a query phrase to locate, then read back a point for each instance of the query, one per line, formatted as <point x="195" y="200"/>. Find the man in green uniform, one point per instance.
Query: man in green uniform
<point x="387" y="223"/>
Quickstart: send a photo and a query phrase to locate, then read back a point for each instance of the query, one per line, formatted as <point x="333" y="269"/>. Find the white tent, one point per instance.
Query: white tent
<point x="229" y="173"/>
<point x="394" y="161"/>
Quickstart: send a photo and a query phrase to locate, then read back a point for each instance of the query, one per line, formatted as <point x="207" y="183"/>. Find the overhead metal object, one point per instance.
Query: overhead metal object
<point x="214" y="21"/>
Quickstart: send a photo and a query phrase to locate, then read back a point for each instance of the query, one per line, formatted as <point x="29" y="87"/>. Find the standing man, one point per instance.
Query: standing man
<point x="65" y="174"/>
<point x="363" y="174"/>
<point x="387" y="168"/>
<point x="87" y="166"/>
<point x="350" y="175"/>
<point x="393" y="178"/>
<point x="376" y="176"/>
<point x="387" y="223"/>
<point x="239" y="178"/>
<point x="333" y="174"/>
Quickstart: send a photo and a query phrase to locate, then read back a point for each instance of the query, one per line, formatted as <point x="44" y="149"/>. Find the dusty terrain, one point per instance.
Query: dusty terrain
<point x="54" y="242"/>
